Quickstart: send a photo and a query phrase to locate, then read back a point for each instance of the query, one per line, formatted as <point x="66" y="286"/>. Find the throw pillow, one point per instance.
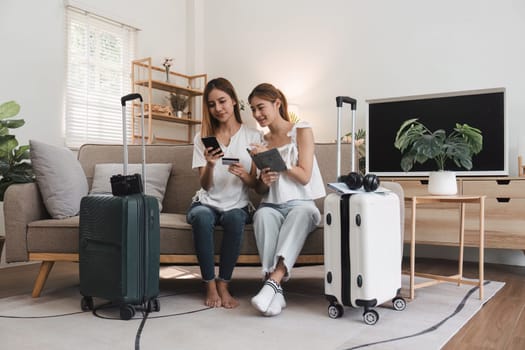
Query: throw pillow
<point x="157" y="175"/>
<point x="60" y="177"/>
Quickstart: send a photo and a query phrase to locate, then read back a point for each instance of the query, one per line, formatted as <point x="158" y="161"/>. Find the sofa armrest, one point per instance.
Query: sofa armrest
<point x="22" y="205"/>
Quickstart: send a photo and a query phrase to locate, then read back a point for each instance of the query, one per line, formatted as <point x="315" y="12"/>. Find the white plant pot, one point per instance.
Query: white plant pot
<point x="442" y="183"/>
<point x="179" y="114"/>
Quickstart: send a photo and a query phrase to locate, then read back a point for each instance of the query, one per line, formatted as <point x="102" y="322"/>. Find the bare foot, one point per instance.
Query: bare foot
<point x="228" y="301"/>
<point x="212" y="296"/>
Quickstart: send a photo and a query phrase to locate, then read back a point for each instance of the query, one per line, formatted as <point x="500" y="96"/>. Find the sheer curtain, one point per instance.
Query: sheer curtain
<point x="99" y="55"/>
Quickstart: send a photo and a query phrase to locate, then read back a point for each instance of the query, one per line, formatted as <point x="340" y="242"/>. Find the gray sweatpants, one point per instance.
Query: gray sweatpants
<point x="281" y="230"/>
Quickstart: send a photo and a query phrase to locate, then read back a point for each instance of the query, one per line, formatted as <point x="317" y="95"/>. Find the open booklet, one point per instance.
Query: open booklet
<point x="269" y="159"/>
<point x="342" y="188"/>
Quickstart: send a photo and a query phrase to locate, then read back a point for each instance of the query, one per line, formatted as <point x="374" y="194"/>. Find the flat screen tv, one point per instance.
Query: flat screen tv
<point x="482" y="109"/>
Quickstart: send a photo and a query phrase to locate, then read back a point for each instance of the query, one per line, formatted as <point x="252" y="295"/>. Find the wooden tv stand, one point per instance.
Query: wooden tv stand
<point x="504" y="213"/>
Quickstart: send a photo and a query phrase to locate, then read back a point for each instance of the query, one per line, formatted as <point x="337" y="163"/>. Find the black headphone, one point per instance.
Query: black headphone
<point x="354" y="181"/>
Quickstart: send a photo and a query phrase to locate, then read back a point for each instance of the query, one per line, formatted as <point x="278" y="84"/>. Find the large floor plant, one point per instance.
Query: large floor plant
<point x="14" y="159"/>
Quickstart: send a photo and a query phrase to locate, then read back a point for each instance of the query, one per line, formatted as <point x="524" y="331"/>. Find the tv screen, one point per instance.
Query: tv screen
<point x="482" y="109"/>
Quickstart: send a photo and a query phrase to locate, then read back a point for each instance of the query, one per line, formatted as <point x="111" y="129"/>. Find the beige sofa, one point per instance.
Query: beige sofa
<point x="31" y="235"/>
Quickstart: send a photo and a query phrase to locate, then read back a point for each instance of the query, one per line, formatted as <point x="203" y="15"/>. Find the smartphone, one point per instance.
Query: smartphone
<point x="228" y="161"/>
<point x="211" y="141"/>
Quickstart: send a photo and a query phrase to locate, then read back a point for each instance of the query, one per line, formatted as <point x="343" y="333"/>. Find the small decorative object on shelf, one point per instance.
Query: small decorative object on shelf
<point x="178" y="102"/>
<point x="167" y="64"/>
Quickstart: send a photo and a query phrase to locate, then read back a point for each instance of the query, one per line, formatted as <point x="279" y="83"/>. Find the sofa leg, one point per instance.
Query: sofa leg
<point x="45" y="269"/>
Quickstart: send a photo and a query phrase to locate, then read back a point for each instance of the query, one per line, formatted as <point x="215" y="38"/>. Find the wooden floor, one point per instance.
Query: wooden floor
<point x="500" y="324"/>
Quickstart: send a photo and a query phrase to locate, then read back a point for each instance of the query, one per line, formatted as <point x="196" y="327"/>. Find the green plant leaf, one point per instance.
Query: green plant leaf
<point x="12" y="124"/>
<point x="9" y="109"/>
<point x="4" y="167"/>
<point x="7" y="144"/>
<point x="21" y="153"/>
<point x="407" y="161"/>
<point x="472" y="136"/>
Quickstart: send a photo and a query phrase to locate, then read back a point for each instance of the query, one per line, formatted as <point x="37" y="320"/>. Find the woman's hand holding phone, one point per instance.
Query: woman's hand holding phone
<point x="212" y="151"/>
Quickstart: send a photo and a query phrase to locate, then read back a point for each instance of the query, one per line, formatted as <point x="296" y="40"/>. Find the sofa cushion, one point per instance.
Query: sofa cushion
<point x="60" y="178"/>
<point x="156" y="178"/>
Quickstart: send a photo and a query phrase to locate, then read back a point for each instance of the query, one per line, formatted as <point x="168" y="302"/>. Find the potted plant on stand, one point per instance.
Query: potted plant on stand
<point x="14" y="159"/>
<point x="418" y="144"/>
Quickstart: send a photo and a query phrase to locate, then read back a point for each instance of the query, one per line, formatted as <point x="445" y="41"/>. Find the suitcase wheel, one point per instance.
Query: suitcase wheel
<point x="370" y="317"/>
<point x="126" y="312"/>
<point x="156" y="305"/>
<point x="335" y="310"/>
<point x="153" y="305"/>
<point x="86" y="303"/>
<point x="399" y="303"/>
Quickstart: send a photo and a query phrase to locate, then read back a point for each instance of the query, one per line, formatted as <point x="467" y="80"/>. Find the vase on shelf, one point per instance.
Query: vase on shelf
<point x="167" y="74"/>
<point x="179" y="114"/>
<point x="167" y="64"/>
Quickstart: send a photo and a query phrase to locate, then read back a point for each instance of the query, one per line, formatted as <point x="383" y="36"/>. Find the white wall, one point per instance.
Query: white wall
<point x="316" y="50"/>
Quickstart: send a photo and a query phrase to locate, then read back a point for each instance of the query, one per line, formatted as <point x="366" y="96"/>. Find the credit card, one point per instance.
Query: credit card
<point x="228" y="161"/>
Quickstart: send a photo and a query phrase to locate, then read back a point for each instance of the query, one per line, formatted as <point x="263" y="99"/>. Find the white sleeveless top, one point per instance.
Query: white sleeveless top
<point x="285" y="188"/>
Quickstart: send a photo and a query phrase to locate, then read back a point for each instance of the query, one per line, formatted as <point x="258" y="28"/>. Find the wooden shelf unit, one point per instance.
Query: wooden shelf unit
<point x="504" y="213"/>
<point x="150" y="82"/>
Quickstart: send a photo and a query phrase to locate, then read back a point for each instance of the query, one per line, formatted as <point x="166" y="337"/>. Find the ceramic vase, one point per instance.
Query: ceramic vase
<point x="442" y="183"/>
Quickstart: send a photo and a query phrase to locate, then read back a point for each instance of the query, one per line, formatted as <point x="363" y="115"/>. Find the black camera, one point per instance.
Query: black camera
<point x="123" y="185"/>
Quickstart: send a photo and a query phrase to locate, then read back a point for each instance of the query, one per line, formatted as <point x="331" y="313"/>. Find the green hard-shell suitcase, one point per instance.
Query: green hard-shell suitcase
<point x="119" y="252"/>
<point x="119" y="243"/>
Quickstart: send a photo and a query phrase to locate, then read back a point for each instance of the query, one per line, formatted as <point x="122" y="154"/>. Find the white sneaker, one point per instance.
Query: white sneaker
<point x="278" y="303"/>
<point x="264" y="298"/>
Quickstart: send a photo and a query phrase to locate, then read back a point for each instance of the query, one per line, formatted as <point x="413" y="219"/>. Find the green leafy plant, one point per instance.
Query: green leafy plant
<point x="360" y="143"/>
<point x="14" y="160"/>
<point x="418" y="144"/>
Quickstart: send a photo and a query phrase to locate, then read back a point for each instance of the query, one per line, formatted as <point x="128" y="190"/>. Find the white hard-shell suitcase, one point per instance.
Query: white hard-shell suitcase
<point x="362" y="254"/>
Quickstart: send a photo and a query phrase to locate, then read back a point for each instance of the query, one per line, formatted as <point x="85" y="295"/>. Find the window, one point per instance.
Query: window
<point x="99" y="55"/>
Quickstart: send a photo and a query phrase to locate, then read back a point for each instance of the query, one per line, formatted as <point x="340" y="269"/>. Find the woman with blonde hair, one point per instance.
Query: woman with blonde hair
<point x="287" y="214"/>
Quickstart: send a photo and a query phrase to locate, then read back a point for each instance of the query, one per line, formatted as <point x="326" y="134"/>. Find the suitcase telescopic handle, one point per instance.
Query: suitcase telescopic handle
<point x="339" y="100"/>
<point x="130" y="97"/>
<point x="123" y="100"/>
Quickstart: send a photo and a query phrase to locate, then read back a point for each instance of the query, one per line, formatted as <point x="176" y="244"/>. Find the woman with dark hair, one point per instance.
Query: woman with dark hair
<point x="223" y="197"/>
<point x="287" y="214"/>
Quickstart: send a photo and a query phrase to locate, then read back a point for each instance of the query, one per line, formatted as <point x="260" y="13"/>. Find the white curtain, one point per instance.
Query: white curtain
<point x="99" y="55"/>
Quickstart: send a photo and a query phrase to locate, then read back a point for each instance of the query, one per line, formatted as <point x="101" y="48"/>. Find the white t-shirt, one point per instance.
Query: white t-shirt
<point x="228" y="191"/>
<point x="285" y="188"/>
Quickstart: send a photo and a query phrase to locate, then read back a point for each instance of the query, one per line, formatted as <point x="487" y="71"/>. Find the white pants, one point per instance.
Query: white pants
<point x="281" y="230"/>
